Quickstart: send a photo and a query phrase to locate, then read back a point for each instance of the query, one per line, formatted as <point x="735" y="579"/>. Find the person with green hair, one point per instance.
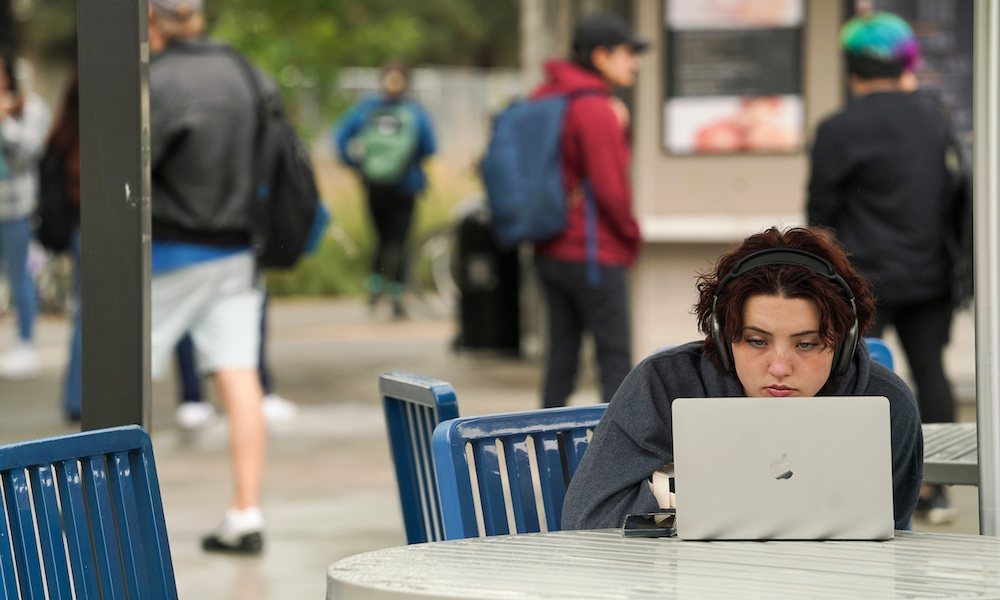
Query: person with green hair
<point x="878" y="182"/>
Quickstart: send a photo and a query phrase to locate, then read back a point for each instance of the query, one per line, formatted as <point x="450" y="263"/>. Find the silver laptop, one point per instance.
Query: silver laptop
<point x="783" y="468"/>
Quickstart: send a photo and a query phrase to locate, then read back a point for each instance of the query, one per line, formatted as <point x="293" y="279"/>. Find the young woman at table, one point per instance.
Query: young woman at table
<point x="783" y="322"/>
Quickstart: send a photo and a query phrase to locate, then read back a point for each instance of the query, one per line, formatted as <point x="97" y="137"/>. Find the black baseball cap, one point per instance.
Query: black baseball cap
<point x="605" y="31"/>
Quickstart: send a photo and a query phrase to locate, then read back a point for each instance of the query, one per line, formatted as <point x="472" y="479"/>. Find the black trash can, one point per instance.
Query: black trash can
<point x="488" y="278"/>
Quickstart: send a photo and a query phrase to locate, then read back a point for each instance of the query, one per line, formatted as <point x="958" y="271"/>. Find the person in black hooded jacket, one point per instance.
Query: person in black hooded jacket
<point x="879" y="181"/>
<point x="779" y="326"/>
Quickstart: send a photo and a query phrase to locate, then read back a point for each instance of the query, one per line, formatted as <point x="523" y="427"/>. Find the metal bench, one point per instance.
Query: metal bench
<point x="413" y="406"/>
<point x="951" y="453"/>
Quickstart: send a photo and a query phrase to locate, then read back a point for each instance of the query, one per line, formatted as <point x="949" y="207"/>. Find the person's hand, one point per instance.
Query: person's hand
<point x="621" y="111"/>
<point x="11" y="104"/>
<point x="659" y="482"/>
<point x="8" y="103"/>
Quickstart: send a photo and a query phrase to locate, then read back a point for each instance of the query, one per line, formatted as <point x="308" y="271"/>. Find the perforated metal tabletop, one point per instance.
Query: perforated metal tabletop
<point x="592" y="565"/>
<point x="951" y="453"/>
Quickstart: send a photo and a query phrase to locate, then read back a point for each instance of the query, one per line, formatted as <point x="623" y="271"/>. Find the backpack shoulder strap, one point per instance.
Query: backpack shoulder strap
<point x="250" y="75"/>
<point x="590" y="212"/>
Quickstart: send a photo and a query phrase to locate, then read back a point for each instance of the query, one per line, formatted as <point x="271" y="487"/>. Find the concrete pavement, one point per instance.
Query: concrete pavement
<point x="329" y="490"/>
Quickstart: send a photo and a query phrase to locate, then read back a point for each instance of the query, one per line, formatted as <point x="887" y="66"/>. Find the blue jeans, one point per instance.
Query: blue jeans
<point x="15" y="236"/>
<point x="72" y="386"/>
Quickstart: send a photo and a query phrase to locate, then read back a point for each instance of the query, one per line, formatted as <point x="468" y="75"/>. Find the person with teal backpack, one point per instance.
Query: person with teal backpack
<point x="385" y="137"/>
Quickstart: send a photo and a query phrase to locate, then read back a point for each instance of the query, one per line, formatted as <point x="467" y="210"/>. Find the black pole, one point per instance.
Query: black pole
<point x="114" y="218"/>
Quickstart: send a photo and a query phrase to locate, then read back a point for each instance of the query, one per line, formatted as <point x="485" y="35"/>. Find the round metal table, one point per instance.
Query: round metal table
<point x="602" y="564"/>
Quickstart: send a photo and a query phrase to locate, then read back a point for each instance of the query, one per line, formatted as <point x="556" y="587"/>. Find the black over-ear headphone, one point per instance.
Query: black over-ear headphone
<point x="842" y="355"/>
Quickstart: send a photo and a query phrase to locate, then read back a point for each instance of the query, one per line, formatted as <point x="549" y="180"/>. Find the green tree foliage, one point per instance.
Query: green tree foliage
<point x="303" y="43"/>
<point x="367" y="32"/>
<point x="48" y="28"/>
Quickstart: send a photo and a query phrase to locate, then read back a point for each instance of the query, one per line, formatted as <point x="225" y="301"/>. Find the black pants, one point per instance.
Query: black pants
<point x="575" y="307"/>
<point x="924" y="330"/>
<point x="392" y="212"/>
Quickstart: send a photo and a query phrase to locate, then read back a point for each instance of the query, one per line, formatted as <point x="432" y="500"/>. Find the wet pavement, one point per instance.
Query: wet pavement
<point x="329" y="489"/>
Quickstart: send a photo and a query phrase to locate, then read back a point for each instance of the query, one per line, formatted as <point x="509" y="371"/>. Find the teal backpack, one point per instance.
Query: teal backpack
<point x="389" y="141"/>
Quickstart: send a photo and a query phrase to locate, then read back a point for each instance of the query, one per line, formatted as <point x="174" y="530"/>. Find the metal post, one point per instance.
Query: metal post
<point x="986" y="148"/>
<point x="115" y="206"/>
<point x="534" y="43"/>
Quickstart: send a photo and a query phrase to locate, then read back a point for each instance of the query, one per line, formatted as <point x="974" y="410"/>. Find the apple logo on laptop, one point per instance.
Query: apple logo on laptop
<point x="782" y="469"/>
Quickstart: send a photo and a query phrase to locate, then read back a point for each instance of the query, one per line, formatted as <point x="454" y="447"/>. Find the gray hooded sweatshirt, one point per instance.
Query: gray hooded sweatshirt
<point x="634" y="437"/>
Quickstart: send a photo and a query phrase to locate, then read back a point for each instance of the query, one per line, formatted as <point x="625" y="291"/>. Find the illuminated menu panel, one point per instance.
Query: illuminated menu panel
<point x="733" y="76"/>
<point x="944" y="29"/>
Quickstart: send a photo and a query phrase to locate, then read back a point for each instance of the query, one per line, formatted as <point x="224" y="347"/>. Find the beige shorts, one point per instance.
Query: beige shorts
<point x="218" y="303"/>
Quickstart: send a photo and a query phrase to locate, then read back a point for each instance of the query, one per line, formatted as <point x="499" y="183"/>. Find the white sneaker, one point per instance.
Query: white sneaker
<point x="278" y="410"/>
<point x="194" y="415"/>
<point x="942" y="516"/>
<point x="19" y="362"/>
<point x="241" y="532"/>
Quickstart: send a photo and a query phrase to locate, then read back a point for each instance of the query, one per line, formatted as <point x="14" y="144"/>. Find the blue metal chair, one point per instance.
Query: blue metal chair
<point x="507" y="473"/>
<point x="82" y="513"/>
<point x="414" y="405"/>
<point x="879" y="351"/>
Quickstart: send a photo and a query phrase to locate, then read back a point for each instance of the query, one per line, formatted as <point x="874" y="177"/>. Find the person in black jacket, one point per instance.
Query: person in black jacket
<point x="202" y="122"/>
<point x="879" y="182"/>
<point x="780" y="331"/>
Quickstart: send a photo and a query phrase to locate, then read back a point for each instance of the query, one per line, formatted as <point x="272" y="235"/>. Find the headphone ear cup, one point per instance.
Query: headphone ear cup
<point x="843" y="355"/>
<point x="722" y="348"/>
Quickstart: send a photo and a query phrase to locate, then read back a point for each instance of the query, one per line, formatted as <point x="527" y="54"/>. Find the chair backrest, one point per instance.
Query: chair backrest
<point x="880" y="352"/>
<point x="508" y="473"/>
<point x="413" y="406"/>
<point x="82" y="513"/>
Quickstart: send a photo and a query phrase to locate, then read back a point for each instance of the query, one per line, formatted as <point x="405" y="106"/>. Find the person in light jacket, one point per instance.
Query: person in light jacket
<point x="24" y="126"/>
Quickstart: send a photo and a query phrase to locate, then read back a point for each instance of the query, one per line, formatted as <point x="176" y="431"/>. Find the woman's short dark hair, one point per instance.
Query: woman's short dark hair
<point x="787" y="281"/>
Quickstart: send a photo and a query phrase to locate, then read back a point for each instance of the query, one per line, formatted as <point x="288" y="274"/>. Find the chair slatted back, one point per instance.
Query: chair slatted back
<point x="82" y="518"/>
<point x="414" y="406"/>
<point x="880" y="352"/>
<point x="508" y="473"/>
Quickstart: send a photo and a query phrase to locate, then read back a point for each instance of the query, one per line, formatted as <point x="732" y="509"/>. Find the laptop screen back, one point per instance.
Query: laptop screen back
<point x="783" y="468"/>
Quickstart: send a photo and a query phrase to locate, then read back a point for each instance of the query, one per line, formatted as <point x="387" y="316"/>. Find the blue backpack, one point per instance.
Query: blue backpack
<point x="521" y="170"/>
<point x="523" y="176"/>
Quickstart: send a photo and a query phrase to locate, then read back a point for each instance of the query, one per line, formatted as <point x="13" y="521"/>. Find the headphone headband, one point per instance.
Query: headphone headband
<point x="786" y="256"/>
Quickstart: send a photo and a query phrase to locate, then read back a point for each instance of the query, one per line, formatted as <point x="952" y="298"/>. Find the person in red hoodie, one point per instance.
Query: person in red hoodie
<point x="583" y="296"/>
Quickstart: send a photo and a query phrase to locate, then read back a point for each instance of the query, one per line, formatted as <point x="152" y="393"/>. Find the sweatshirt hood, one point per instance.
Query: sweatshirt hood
<point x="565" y="77"/>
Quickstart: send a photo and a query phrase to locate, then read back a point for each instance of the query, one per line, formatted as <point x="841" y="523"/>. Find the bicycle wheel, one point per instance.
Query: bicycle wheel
<point x="431" y="271"/>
